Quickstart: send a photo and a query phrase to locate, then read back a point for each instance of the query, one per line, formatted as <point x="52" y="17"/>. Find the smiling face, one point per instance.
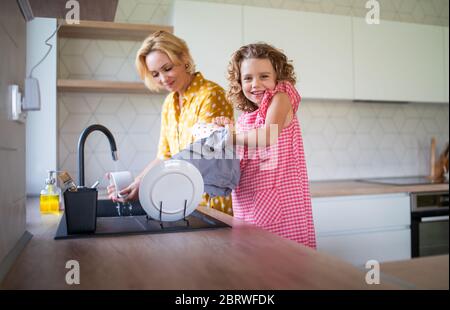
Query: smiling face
<point x="257" y="76"/>
<point x="165" y="73"/>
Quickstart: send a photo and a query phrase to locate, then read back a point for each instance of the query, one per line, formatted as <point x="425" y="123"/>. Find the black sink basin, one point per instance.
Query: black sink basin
<point x="130" y="219"/>
<point x="107" y="208"/>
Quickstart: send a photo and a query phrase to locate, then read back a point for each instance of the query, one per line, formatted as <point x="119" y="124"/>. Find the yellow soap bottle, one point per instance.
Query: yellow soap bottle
<point x="49" y="198"/>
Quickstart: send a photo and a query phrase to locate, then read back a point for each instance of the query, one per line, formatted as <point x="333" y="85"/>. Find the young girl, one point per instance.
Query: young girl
<point x="273" y="191"/>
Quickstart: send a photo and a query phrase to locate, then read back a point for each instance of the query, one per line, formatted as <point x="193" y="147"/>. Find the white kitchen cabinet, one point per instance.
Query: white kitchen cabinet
<point x="320" y="46"/>
<point x="360" y="228"/>
<point x="213" y="32"/>
<point x="396" y="61"/>
<point x="359" y="248"/>
<point x="335" y="57"/>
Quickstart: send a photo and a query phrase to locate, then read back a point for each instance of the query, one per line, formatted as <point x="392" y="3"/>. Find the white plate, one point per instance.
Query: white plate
<point x="171" y="182"/>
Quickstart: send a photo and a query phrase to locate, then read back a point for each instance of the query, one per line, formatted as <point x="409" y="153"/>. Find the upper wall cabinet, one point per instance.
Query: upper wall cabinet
<point x="320" y="46"/>
<point x="335" y="57"/>
<point x="213" y="32"/>
<point x="396" y="61"/>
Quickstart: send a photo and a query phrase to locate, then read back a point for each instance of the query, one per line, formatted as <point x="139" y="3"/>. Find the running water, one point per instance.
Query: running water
<point x="116" y="165"/>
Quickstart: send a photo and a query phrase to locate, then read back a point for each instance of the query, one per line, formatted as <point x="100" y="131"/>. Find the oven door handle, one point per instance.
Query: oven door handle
<point x="434" y="219"/>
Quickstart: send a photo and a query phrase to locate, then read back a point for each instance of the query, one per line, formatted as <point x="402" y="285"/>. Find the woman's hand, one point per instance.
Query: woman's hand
<point x="111" y="188"/>
<point x="130" y="193"/>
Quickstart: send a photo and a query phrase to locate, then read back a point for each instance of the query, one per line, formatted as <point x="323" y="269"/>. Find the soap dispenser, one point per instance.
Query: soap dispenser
<point x="50" y="195"/>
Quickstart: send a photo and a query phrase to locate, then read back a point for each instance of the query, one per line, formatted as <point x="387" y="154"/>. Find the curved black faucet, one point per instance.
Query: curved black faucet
<point x="82" y="140"/>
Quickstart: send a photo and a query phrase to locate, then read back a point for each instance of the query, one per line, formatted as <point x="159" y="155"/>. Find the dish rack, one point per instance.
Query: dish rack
<point x="161" y="222"/>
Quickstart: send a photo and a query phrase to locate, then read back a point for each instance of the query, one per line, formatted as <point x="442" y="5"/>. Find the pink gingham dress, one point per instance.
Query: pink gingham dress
<point x="273" y="192"/>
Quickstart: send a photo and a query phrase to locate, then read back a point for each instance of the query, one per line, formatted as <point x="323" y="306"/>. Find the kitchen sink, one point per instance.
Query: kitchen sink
<point x="108" y="208"/>
<point x="118" y="219"/>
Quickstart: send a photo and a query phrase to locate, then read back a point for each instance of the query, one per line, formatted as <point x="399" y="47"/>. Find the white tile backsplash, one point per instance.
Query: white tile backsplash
<point x="393" y="141"/>
<point x="75" y="123"/>
<point x="74" y="47"/>
<point x="75" y="66"/>
<point x="92" y="55"/>
<point x="335" y="147"/>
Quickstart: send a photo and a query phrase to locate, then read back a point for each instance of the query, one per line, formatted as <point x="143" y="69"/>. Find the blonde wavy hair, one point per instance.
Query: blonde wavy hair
<point x="175" y="48"/>
<point x="283" y="68"/>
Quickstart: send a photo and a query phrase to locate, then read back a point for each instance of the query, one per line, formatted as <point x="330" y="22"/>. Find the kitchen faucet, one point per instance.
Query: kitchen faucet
<point x="82" y="141"/>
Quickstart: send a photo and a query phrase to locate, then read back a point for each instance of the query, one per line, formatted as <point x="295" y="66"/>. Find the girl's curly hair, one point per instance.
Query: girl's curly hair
<point x="283" y="68"/>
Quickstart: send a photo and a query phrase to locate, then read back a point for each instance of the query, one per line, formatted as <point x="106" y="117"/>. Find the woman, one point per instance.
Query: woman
<point x="164" y="62"/>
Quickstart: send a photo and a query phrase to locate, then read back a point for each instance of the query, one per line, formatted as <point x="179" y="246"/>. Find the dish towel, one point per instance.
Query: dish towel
<point x="216" y="161"/>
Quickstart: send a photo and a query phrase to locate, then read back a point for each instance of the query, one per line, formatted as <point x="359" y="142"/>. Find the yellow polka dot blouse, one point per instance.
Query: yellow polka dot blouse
<point x="202" y="102"/>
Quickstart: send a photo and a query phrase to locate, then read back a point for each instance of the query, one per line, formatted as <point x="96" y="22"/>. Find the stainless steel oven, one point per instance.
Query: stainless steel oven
<point x="429" y="223"/>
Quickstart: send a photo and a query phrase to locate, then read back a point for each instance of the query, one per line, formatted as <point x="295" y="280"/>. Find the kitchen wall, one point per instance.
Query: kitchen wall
<point x="12" y="137"/>
<point x="343" y="139"/>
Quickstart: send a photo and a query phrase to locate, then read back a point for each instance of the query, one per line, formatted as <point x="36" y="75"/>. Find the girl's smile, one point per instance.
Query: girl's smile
<point x="257" y="76"/>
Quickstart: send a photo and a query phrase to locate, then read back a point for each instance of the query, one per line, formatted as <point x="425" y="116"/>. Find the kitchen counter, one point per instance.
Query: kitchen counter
<point x="421" y="273"/>
<point x="350" y="187"/>
<point x="242" y="257"/>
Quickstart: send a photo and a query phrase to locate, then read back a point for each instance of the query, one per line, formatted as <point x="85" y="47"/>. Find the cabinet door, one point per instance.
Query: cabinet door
<point x="396" y="61"/>
<point x="357" y="249"/>
<point x="361" y="213"/>
<point x="213" y="32"/>
<point x="360" y="228"/>
<point x="320" y="46"/>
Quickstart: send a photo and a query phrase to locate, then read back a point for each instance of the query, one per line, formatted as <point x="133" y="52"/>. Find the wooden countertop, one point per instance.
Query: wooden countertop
<point x="351" y="187"/>
<point x="242" y="257"/>
<point x="421" y="273"/>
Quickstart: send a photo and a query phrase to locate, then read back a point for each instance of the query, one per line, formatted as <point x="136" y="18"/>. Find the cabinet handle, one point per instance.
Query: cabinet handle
<point x="434" y="218"/>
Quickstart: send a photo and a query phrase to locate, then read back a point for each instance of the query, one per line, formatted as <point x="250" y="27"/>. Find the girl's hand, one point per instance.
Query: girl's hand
<point x="227" y="123"/>
<point x="222" y="121"/>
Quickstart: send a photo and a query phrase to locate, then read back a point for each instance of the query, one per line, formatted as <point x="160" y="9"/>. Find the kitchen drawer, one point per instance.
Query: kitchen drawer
<point x="360" y="213"/>
<point x="357" y="249"/>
